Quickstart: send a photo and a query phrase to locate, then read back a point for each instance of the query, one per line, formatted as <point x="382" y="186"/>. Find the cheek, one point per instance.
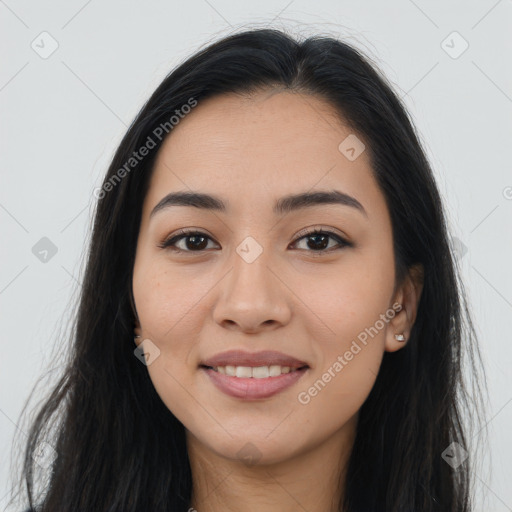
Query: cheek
<point x="162" y="311"/>
<point x="172" y="315"/>
<point x="351" y="298"/>
<point x="348" y="360"/>
<point x="335" y="395"/>
<point x="168" y="299"/>
<point x="354" y="312"/>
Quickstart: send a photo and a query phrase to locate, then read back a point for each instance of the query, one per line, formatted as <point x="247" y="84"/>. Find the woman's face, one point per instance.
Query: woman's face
<point x="252" y="281"/>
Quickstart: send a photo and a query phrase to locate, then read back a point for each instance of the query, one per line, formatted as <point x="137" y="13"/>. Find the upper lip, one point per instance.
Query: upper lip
<point x="243" y="358"/>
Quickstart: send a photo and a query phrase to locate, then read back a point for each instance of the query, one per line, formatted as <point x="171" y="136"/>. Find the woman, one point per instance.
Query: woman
<point x="271" y="317"/>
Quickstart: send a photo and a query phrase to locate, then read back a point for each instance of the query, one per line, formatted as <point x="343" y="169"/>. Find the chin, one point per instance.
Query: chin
<point x="253" y="450"/>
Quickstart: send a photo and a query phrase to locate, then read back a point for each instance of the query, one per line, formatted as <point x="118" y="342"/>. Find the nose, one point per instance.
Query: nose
<point x="253" y="297"/>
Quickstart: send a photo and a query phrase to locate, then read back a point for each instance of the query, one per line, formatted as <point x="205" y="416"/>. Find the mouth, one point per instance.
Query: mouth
<point x="254" y="372"/>
<point x="244" y="361"/>
<point x="253" y="375"/>
<point x="253" y="383"/>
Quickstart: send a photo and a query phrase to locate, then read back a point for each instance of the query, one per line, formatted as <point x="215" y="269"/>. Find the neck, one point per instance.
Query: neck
<point x="312" y="480"/>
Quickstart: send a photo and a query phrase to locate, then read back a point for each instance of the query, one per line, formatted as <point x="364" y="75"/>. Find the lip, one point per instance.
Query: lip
<point x="263" y="358"/>
<point x="251" y="388"/>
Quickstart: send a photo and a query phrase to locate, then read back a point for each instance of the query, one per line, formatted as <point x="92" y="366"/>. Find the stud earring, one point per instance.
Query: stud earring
<point x="399" y="337"/>
<point x="135" y="338"/>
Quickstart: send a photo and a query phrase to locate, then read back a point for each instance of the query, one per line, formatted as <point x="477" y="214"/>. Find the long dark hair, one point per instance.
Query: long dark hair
<point x="119" y="448"/>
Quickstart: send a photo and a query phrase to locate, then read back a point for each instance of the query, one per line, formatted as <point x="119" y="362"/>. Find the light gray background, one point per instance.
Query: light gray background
<point x="62" y="117"/>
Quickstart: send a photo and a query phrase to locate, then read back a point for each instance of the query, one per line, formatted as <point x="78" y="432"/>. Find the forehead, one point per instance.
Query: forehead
<point x="261" y="147"/>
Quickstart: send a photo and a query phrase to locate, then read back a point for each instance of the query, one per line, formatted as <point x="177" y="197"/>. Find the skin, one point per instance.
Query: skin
<point x="250" y="151"/>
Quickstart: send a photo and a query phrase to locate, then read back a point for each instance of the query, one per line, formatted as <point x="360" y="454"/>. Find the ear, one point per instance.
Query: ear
<point x="408" y="295"/>
<point x="137" y="331"/>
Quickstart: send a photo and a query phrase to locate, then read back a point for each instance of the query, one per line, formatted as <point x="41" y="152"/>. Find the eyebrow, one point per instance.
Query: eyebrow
<point x="282" y="206"/>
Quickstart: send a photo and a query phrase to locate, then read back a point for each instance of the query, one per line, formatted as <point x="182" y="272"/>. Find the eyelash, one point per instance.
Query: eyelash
<point x="185" y="233"/>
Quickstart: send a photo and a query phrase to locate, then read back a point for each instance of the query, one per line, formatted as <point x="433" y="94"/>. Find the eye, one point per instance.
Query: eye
<point x="318" y="241"/>
<point x="196" y="241"/>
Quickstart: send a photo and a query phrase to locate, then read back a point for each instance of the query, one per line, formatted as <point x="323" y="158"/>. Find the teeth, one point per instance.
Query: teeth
<point x="276" y="370"/>
<point x="260" y="372"/>
<point x="243" y="371"/>
<point x="257" y="372"/>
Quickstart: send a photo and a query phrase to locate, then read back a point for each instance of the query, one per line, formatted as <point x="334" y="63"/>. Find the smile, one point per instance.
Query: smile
<point x="257" y="372"/>
<point x="253" y="383"/>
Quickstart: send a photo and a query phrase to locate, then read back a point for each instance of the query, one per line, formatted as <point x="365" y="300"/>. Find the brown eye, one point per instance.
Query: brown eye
<point x="318" y="241"/>
<point x="194" y="241"/>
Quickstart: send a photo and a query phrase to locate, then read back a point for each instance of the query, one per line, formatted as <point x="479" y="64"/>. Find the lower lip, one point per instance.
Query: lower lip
<point x="251" y="388"/>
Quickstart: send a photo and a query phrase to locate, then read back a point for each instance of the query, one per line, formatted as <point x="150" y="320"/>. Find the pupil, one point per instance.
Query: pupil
<point x="324" y="242"/>
<point x="197" y="242"/>
<point x="195" y="239"/>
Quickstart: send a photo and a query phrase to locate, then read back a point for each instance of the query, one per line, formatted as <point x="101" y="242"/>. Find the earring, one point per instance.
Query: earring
<point x="399" y="337"/>
<point x="135" y="338"/>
